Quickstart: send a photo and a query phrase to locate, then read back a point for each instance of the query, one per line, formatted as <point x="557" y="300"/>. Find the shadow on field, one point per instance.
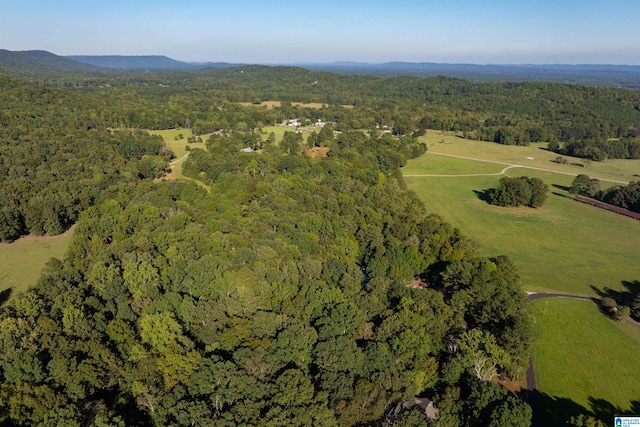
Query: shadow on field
<point x="561" y="187"/>
<point x="555" y="193"/>
<point x="629" y="297"/>
<point x="484" y="195"/>
<point x="606" y="411"/>
<point x="5" y="295"/>
<point x="556" y="411"/>
<point x="553" y="411"/>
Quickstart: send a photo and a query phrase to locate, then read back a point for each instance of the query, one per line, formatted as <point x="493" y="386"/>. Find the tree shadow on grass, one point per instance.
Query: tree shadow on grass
<point x="561" y="187"/>
<point x="5" y="295"/>
<point x="484" y="195"/>
<point x="556" y="411"/>
<point x="606" y="411"/>
<point x="555" y="193"/>
<point x="626" y="297"/>
<point x="551" y="410"/>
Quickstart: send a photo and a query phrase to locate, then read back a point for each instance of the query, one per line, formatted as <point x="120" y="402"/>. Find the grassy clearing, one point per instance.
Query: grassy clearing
<point x="583" y="356"/>
<point x="178" y="145"/>
<point x="279" y="131"/>
<point x="533" y="155"/>
<point x="440" y="165"/>
<point x="178" y="148"/>
<point x="564" y="246"/>
<point x="23" y="259"/>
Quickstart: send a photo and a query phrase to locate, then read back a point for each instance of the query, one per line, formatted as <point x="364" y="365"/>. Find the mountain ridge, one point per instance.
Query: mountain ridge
<point x="43" y="64"/>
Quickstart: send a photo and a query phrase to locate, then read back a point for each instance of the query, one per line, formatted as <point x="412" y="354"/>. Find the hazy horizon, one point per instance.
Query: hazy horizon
<point x="496" y="32"/>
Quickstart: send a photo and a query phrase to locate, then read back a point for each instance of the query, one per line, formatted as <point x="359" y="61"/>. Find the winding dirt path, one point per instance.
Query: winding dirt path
<point x="509" y="166"/>
<point x="176" y="161"/>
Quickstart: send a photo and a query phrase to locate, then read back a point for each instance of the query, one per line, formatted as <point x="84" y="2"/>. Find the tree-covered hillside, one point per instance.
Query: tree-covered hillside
<point x="283" y="297"/>
<point x="54" y="164"/>
<point x="40" y="65"/>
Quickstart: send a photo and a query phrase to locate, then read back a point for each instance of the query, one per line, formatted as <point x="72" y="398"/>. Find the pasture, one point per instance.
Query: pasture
<point x="583" y="356"/>
<point x="564" y="246"/>
<point x="279" y="131"/>
<point x="23" y="260"/>
<point x="534" y="155"/>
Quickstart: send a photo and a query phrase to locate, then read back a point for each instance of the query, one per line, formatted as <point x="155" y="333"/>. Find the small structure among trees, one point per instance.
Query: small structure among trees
<point x="519" y="191"/>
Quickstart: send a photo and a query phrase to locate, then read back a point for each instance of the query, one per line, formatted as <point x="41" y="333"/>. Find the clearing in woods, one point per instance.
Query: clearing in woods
<point x="23" y="260"/>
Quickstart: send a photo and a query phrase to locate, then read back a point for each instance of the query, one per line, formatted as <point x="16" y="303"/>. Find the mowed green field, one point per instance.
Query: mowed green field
<point x="533" y="155"/>
<point x="23" y="260"/>
<point x="564" y="246"/>
<point x="583" y="356"/>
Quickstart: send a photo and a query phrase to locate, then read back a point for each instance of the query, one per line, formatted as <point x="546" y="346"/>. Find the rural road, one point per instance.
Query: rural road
<point x="509" y="166"/>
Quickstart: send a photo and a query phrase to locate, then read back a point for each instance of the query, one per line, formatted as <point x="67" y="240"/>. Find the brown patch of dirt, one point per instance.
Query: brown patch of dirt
<point x="318" y="152"/>
<point x="512" y="386"/>
<point x="419" y="283"/>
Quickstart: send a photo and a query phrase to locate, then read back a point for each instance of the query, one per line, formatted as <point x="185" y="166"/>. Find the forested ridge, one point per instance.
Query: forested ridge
<point x="53" y="166"/>
<point x="299" y="290"/>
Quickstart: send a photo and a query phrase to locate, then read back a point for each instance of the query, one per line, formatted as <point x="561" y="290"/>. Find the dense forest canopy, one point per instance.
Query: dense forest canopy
<point x="281" y="297"/>
<point x="299" y="290"/>
<point x="53" y="165"/>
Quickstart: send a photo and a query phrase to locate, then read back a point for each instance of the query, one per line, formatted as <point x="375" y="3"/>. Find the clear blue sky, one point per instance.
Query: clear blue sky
<point x="457" y="31"/>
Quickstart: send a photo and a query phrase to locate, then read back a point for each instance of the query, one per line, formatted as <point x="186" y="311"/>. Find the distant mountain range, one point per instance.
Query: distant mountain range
<point x="144" y="62"/>
<point x="45" y="64"/>
<point x="607" y="75"/>
<point x="32" y="63"/>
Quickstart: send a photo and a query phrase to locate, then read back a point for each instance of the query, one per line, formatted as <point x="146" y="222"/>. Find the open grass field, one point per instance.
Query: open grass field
<point x="272" y="104"/>
<point x="278" y="131"/>
<point x="583" y="356"/>
<point x="23" y="259"/>
<point x="564" y="246"/>
<point x="440" y="165"/>
<point x="178" y="146"/>
<point x="533" y="155"/>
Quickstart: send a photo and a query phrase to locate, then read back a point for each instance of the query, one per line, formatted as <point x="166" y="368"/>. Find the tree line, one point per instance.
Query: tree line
<point x="626" y="197"/>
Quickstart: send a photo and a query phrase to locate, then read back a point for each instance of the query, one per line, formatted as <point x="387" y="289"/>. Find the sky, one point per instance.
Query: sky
<point x="277" y="32"/>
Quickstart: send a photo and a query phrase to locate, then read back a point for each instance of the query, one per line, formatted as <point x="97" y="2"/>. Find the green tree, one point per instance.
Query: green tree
<point x="585" y="186"/>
